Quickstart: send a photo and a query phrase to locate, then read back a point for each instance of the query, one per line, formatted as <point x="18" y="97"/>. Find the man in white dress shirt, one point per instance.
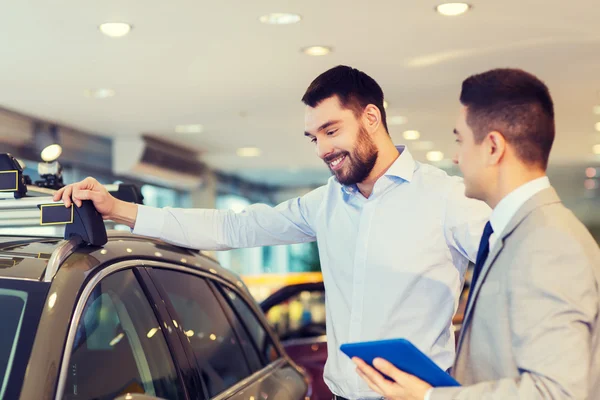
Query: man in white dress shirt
<point x="395" y="236"/>
<point x="532" y="323"/>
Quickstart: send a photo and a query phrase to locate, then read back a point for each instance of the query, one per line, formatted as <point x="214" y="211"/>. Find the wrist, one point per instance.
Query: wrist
<point x="123" y="213"/>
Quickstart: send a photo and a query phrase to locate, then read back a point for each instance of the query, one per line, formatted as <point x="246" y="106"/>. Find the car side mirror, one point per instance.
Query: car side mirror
<point x="137" y="396"/>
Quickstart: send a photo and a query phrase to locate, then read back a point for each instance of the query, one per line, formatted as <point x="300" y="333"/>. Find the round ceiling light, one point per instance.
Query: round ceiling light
<point x="452" y="9"/>
<point x="423" y="145"/>
<point x="411" y="135"/>
<point x="115" y="29"/>
<point x="248" y="152"/>
<point x="317" y="50"/>
<point x="193" y="128"/>
<point x="435" y="156"/>
<point x="397" y="120"/>
<point x="100" y="93"/>
<point x="280" y="18"/>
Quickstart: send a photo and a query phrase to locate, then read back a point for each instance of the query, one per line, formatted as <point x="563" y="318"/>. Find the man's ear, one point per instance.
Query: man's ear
<point x="371" y="118"/>
<point x="496" y="146"/>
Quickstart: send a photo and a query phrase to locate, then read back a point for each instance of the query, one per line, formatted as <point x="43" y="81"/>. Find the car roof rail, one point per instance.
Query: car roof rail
<point x="83" y="224"/>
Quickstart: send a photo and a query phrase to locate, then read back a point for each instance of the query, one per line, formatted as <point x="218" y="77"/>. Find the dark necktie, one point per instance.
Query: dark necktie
<point x="482" y="254"/>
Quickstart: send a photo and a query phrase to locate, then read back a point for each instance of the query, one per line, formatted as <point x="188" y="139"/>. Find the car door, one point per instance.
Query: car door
<point x="284" y="374"/>
<point x="226" y="356"/>
<point x="116" y="345"/>
<point x="297" y="314"/>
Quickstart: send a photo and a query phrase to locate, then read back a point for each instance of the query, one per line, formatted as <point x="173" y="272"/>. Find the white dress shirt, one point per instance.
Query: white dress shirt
<point x="393" y="264"/>
<point x="507" y="208"/>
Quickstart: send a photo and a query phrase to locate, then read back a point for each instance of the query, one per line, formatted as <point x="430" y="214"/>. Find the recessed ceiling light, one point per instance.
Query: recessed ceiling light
<point x="194" y="128"/>
<point x="100" y="93"/>
<point x="435" y="156"/>
<point x="597" y="110"/>
<point x="248" y="152"/>
<point x="452" y="9"/>
<point x="280" y="18"/>
<point x="411" y="135"/>
<point x="397" y="120"/>
<point x="316" y="50"/>
<point x="596" y="149"/>
<point x="597" y="126"/>
<point x="115" y="29"/>
<point x="385" y="104"/>
<point x="423" y="145"/>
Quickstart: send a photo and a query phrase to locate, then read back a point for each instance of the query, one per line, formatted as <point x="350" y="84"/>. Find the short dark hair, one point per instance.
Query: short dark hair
<point x="516" y="104"/>
<point x="355" y="90"/>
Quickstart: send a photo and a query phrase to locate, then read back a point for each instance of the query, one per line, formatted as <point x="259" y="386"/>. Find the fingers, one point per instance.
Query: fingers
<point x="58" y="195"/>
<point x="390" y="370"/>
<point x="375" y="380"/>
<point x="66" y="195"/>
<point x="369" y="382"/>
<point x="76" y="192"/>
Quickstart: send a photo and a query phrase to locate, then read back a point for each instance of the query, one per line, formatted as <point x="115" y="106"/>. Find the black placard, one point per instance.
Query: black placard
<point x="9" y="181"/>
<point x="56" y="214"/>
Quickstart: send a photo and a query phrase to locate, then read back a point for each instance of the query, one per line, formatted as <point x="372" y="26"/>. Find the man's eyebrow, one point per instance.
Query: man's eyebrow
<point x="322" y="127"/>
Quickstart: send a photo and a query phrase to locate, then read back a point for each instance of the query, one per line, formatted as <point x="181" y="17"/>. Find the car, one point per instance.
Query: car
<point x="111" y="315"/>
<point x="296" y="313"/>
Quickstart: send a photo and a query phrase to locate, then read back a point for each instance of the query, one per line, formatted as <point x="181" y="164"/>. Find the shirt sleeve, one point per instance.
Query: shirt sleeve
<point x="464" y="221"/>
<point x="428" y="394"/>
<point x="292" y="221"/>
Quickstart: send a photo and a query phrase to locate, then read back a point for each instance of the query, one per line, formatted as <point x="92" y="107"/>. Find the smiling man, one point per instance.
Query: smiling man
<point x="395" y="236"/>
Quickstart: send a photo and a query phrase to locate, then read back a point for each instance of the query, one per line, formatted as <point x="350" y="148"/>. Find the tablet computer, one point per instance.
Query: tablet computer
<point x="402" y="354"/>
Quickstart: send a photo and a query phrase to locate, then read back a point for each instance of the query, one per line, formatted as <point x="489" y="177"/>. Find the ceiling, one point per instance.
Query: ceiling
<point x="213" y="63"/>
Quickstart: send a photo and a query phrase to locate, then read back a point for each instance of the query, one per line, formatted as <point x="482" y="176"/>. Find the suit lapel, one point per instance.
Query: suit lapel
<point x="545" y="197"/>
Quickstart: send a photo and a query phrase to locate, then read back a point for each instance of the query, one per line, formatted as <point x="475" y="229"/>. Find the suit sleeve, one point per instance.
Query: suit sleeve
<point x="553" y="301"/>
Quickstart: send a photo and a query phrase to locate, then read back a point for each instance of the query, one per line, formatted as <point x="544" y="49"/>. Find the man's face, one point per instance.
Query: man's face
<point x="341" y="141"/>
<point x="471" y="158"/>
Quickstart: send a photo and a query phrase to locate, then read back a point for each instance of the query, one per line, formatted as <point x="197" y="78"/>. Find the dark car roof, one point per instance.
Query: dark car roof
<point x="27" y="257"/>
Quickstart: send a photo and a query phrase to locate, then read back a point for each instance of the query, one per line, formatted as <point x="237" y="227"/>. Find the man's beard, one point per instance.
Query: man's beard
<point x="359" y="164"/>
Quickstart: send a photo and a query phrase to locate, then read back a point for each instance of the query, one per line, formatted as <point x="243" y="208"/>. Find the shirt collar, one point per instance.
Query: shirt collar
<point x="509" y="205"/>
<point x="403" y="167"/>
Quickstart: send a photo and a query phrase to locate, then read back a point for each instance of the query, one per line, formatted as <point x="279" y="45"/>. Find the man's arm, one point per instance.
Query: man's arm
<point x="552" y="308"/>
<point x="257" y="225"/>
<point x="206" y="229"/>
<point x="464" y="220"/>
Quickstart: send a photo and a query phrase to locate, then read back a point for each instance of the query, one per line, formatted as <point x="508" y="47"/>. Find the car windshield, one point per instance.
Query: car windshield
<point x="22" y="302"/>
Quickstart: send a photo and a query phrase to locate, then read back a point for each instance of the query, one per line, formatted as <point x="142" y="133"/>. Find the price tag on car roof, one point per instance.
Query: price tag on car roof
<point x="55" y="214"/>
<point x="9" y="181"/>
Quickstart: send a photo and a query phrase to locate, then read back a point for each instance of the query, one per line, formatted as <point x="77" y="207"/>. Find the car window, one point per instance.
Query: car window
<point x="11" y="313"/>
<point x="262" y="340"/>
<point x="300" y="316"/>
<point x="119" y="346"/>
<point x="217" y="349"/>
<point x="22" y="305"/>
